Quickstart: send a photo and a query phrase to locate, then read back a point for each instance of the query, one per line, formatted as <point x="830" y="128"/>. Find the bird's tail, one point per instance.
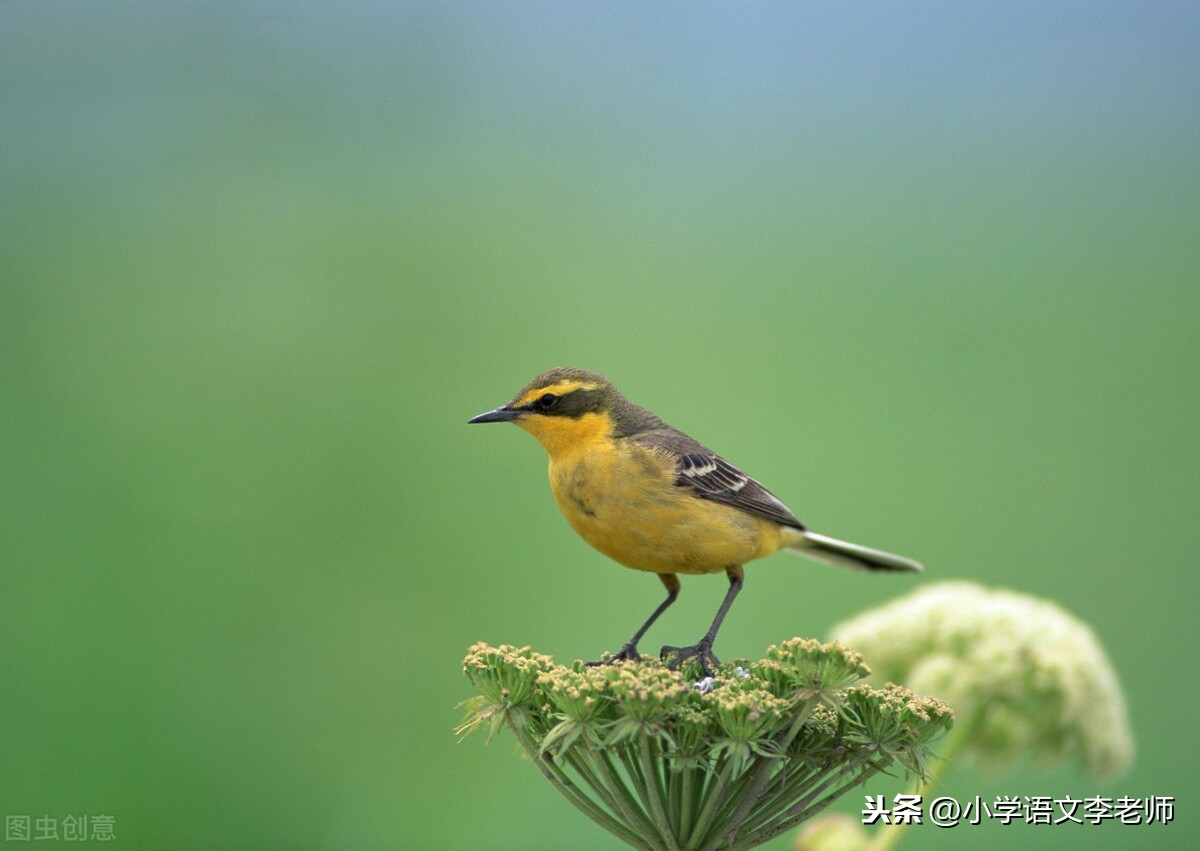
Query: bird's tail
<point x="845" y="554"/>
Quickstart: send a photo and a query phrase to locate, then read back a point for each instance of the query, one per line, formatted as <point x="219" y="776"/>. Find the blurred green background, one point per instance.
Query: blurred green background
<point x="929" y="272"/>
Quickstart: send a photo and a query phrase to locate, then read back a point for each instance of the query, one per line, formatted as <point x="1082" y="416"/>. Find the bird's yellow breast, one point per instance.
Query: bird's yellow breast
<point x="621" y="497"/>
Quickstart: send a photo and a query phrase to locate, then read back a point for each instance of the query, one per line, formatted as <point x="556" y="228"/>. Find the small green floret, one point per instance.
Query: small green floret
<point x="894" y="722"/>
<point x="576" y="695"/>
<point x="645" y="692"/>
<point x="805" y="668"/>
<point x="505" y="675"/>
<point x="748" y="715"/>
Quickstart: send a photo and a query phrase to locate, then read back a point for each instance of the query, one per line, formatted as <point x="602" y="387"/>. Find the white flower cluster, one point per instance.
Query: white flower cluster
<point x="1033" y="678"/>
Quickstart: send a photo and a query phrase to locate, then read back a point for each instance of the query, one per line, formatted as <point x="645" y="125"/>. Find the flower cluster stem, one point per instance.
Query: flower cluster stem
<point x="625" y="802"/>
<point x="809" y="807"/>
<point x="688" y="812"/>
<point x="762" y="774"/>
<point x="888" y="835"/>
<point x="559" y="779"/>
<point x="713" y="800"/>
<point x="650" y="782"/>
<point x="866" y="774"/>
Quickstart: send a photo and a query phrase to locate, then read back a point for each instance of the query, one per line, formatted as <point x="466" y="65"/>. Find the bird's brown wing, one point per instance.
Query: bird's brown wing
<point x="709" y="476"/>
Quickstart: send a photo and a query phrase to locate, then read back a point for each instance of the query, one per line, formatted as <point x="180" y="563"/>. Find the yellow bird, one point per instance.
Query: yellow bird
<point x="652" y="498"/>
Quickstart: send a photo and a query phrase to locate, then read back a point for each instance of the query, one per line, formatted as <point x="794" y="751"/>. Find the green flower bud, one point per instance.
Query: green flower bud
<point x="506" y="675"/>
<point x="804" y="668"/>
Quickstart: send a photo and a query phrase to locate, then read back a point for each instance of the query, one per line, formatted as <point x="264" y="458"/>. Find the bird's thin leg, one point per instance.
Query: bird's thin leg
<point x="702" y="650"/>
<point x="629" y="650"/>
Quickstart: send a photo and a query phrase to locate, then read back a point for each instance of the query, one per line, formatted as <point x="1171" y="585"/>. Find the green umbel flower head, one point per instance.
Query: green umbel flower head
<point x="660" y="763"/>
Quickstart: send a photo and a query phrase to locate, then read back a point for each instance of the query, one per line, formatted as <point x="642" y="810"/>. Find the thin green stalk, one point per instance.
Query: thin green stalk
<point x="662" y="770"/>
<point x="865" y="774"/>
<point x="566" y="787"/>
<point x="791" y="789"/>
<point x="633" y="770"/>
<point x="626" y="803"/>
<point x="770" y="831"/>
<point x="852" y="767"/>
<point x="674" y="799"/>
<point x="687" y="808"/>
<point x="810" y="793"/>
<point x="736" y="792"/>
<point x="714" y="798"/>
<point x="763" y="773"/>
<point x="577" y="758"/>
<point x="651" y="802"/>
<point x="654" y="791"/>
<point x="795" y="784"/>
<point x="889" y="834"/>
<point x="741" y="784"/>
<point x="707" y="776"/>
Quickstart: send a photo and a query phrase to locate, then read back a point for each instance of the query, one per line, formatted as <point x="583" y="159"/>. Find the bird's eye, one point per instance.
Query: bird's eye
<point x="548" y="401"/>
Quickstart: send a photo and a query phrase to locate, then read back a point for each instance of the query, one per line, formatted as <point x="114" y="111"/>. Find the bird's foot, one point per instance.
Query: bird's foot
<point x="627" y="653"/>
<point x="702" y="652"/>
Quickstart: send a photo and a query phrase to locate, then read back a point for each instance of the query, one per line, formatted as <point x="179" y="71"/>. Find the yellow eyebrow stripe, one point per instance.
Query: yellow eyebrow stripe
<point x="561" y="388"/>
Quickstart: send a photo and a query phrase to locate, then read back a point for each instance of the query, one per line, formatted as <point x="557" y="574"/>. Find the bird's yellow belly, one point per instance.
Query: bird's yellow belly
<point x="625" y="503"/>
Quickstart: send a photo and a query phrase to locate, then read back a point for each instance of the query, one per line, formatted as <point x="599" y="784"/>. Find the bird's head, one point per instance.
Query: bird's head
<point x="563" y="408"/>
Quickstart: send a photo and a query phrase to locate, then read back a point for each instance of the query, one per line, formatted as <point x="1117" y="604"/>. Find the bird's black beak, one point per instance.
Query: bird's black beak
<point x="502" y="414"/>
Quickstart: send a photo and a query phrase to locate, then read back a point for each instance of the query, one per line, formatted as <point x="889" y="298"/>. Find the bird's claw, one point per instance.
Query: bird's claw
<point x="701" y="652"/>
<point x="627" y="653"/>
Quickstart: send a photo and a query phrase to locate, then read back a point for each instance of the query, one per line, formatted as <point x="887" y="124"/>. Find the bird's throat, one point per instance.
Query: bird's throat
<point x="565" y="436"/>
